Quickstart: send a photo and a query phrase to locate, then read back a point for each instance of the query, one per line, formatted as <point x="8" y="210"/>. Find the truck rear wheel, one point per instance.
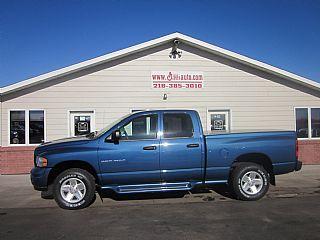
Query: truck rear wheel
<point x="74" y="189"/>
<point x="249" y="181"/>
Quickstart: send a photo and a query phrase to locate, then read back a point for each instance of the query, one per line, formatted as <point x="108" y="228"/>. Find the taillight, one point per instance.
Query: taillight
<point x="297" y="149"/>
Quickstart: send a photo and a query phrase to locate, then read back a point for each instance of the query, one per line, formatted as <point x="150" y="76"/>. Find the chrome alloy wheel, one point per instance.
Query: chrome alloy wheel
<point x="73" y="190"/>
<point x="252" y="182"/>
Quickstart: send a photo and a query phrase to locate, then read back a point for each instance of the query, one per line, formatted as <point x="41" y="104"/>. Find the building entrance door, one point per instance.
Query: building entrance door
<point x="81" y="123"/>
<point x="218" y="121"/>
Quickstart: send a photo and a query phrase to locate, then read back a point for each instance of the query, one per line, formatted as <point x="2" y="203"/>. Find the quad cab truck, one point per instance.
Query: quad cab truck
<point x="158" y="151"/>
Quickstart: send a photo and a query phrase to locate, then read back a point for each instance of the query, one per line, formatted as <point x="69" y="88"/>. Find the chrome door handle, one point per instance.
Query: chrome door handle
<point x="150" y="148"/>
<point x="193" y="145"/>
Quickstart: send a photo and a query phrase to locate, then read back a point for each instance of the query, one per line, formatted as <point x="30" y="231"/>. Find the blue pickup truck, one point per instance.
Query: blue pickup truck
<point x="161" y="150"/>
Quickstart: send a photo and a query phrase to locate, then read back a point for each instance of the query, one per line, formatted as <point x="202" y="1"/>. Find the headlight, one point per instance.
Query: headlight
<point x="41" y="162"/>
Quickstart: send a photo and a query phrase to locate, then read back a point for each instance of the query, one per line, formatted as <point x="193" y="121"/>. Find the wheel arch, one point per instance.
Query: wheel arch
<point x="257" y="158"/>
<point x="62" y="166"/>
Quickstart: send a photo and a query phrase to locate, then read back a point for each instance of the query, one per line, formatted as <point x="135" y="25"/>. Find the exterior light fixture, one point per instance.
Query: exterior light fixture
<point x="165" y="96"/>
<point x="174" y="51"/>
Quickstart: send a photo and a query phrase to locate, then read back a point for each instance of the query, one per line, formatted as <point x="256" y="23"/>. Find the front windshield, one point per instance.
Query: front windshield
<point x="108" y="127"/>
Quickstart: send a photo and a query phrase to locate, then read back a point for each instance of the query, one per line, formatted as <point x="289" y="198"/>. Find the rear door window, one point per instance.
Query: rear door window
<point x="177" y="125"/>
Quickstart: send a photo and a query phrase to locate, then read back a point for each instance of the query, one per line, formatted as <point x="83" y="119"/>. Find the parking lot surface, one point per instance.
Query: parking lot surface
<point x="291" y="210"/>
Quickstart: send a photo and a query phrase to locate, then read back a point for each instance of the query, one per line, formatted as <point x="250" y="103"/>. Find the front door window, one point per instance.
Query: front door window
<point x="142" y="127"/>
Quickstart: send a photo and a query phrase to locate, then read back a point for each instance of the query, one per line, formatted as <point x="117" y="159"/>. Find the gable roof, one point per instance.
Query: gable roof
<point x="156" y="42"/>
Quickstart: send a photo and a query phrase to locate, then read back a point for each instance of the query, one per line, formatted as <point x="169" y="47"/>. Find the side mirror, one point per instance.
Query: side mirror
<point x="115" y="137"/>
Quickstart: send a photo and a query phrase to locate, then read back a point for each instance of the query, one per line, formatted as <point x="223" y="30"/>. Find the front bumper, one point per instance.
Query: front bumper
<point x="39" y="178"/>
<point x="298" y="165"/>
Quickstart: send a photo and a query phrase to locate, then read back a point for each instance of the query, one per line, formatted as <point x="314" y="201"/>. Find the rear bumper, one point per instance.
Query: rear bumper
<point x="39" y="178"/>
<point x="286" y="167"/>
<point x="298" y="165"/>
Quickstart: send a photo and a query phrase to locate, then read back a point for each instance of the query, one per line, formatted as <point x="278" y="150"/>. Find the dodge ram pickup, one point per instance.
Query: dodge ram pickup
<point x="161" y="150"/>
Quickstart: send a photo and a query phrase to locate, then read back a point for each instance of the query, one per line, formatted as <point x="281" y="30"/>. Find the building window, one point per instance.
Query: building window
<point x="17" y="127"/>
<point x="218" y="120"/>
<point x="308" y="122"/>
<point x="36" y="126"/>
<point x="177" y="125"/>
<point x="315" y="122"/>
<point x="302" y="122"/>
<point x="26" y="127"/>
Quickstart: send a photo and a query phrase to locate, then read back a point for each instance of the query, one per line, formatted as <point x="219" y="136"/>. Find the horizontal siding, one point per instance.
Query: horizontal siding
<point x="151" y="105"/>
<point x="255" y="103"/>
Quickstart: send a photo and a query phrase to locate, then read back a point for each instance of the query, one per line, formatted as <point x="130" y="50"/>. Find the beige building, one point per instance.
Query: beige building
<point x="230" y="92"/>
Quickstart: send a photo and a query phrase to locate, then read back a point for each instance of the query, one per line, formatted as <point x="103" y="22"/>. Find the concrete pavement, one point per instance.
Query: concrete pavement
<point x="16" y="191"/>
<point x="289" y="211"/>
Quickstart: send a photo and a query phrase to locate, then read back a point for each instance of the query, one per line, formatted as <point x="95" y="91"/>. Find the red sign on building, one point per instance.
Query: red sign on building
<point x="177" y="80"/>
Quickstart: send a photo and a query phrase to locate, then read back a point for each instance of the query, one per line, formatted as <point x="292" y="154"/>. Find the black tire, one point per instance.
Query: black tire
<point x="242" y="188"/>
<point x="81" y="177"/>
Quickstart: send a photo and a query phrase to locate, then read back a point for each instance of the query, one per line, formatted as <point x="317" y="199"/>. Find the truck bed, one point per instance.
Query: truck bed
<point x="242" y="131"/>
<point x="224" y="148"/>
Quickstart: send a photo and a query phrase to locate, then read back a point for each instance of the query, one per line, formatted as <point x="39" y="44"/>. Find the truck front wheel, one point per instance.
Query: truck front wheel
<point x="74" y="189"/>
<point x="249" y="181"/>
